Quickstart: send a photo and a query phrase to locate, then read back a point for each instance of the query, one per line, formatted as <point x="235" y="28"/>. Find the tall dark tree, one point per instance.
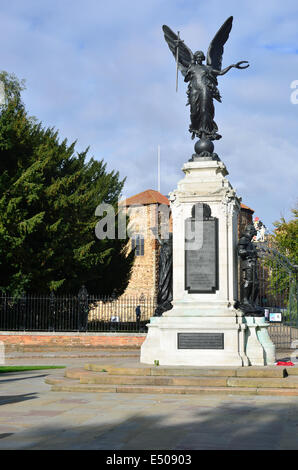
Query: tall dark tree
<point x="48" y="197"/>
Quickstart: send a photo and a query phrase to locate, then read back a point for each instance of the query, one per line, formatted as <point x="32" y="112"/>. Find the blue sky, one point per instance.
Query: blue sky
<point x="102" y="74"/>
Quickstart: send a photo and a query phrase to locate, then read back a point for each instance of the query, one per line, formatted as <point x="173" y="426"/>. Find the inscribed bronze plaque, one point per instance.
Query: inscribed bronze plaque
<point x="200" y="341"/>
<point x="201" y="252"/>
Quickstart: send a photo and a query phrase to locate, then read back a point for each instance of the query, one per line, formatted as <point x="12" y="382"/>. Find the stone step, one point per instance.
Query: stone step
<point x="76" y="373"/>
<point x="180" y="380"/>
<point x="259" y="382"/>
<point x="265" y="372"/>
<point x="96" y="378"/>
<point x="278" y="372"/>
<point x="56" y="380"/>
<point x="69" y="385"/>
<point x="86" y="377"/>
<point x="104" y="376"/>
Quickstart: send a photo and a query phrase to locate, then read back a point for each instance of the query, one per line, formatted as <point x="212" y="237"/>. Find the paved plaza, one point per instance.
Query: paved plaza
<point x="33" y="417"/>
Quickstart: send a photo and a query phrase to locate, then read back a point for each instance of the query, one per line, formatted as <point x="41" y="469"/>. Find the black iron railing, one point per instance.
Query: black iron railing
<point x="278" y="286"/>
<point x="83" y="312"/>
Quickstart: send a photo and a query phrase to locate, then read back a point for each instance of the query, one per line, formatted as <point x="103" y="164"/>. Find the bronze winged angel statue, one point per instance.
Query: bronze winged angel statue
<point x="202" y="82"/>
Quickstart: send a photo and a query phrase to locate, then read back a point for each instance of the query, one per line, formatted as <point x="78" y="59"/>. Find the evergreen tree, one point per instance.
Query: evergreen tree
<point x="48" y="197"/>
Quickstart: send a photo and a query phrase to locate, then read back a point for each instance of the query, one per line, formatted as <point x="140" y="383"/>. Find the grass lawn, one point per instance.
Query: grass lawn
<point x="4" y="369"/>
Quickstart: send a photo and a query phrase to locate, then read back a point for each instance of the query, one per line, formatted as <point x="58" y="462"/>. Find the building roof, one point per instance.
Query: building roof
<point x="150" y="196"/>
<point x="243" y="206"/>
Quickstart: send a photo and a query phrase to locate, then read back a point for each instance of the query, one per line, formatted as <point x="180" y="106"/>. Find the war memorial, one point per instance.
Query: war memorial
<point x="203" y="321"/>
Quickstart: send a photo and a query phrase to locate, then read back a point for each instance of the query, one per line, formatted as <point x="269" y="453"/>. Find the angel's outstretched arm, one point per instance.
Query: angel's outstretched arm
<point x="224" y="71"/>
<point x="237" y="66"/>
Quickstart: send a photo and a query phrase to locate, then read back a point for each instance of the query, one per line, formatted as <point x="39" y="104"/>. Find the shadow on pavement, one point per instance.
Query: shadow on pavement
<point x="20" y="378"/>
<point x="4" y="400"/>
<point x="226" y="425"/>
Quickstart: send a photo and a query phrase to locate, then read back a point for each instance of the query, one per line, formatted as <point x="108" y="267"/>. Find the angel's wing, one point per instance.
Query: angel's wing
<point x="184" y="53"/>
<point x="216" y="48"/>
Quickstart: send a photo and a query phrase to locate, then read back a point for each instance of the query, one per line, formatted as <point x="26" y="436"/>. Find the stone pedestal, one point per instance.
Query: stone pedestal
<point x="162" y="342"/>
<point x="203" y="328"/>
<point x="259" y="347"/>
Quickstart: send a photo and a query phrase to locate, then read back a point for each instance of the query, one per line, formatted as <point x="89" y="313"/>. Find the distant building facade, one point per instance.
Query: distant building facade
<point x="144" y="210"/>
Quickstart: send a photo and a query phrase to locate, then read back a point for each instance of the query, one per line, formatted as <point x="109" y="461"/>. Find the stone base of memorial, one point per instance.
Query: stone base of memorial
<point x="221" y="339"/>
<point x="194" y="340"/>
<point x="203" y="328"/>
<point x="259" y="347"/>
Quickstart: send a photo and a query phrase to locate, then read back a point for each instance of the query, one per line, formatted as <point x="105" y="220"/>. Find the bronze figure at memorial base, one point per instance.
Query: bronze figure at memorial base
<point x="250" y="283"/>
<point x="165" y="281"/>
<point x="202" y="84"/>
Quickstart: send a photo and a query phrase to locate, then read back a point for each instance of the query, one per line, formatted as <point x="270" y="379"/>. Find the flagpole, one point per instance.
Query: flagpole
<point x="158" y="168"/>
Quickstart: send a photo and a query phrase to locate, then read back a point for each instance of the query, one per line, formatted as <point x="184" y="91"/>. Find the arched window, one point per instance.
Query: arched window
<point x="137" y="244"/>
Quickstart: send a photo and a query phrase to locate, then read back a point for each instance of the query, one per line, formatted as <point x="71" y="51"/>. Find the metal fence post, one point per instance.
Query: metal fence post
<point x="52" y="311"/>
<point x="84" y="309"/>
<point x="23" y="301"/>
<point x="3" y="310"/>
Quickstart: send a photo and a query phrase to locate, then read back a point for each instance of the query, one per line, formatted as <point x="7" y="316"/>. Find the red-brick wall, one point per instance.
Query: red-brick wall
<point x="67" y="341"/>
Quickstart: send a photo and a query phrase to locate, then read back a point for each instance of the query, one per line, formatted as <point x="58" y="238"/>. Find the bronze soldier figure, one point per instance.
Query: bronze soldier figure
<point x="250" y="284"/>
<point x="165" y="281"/>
